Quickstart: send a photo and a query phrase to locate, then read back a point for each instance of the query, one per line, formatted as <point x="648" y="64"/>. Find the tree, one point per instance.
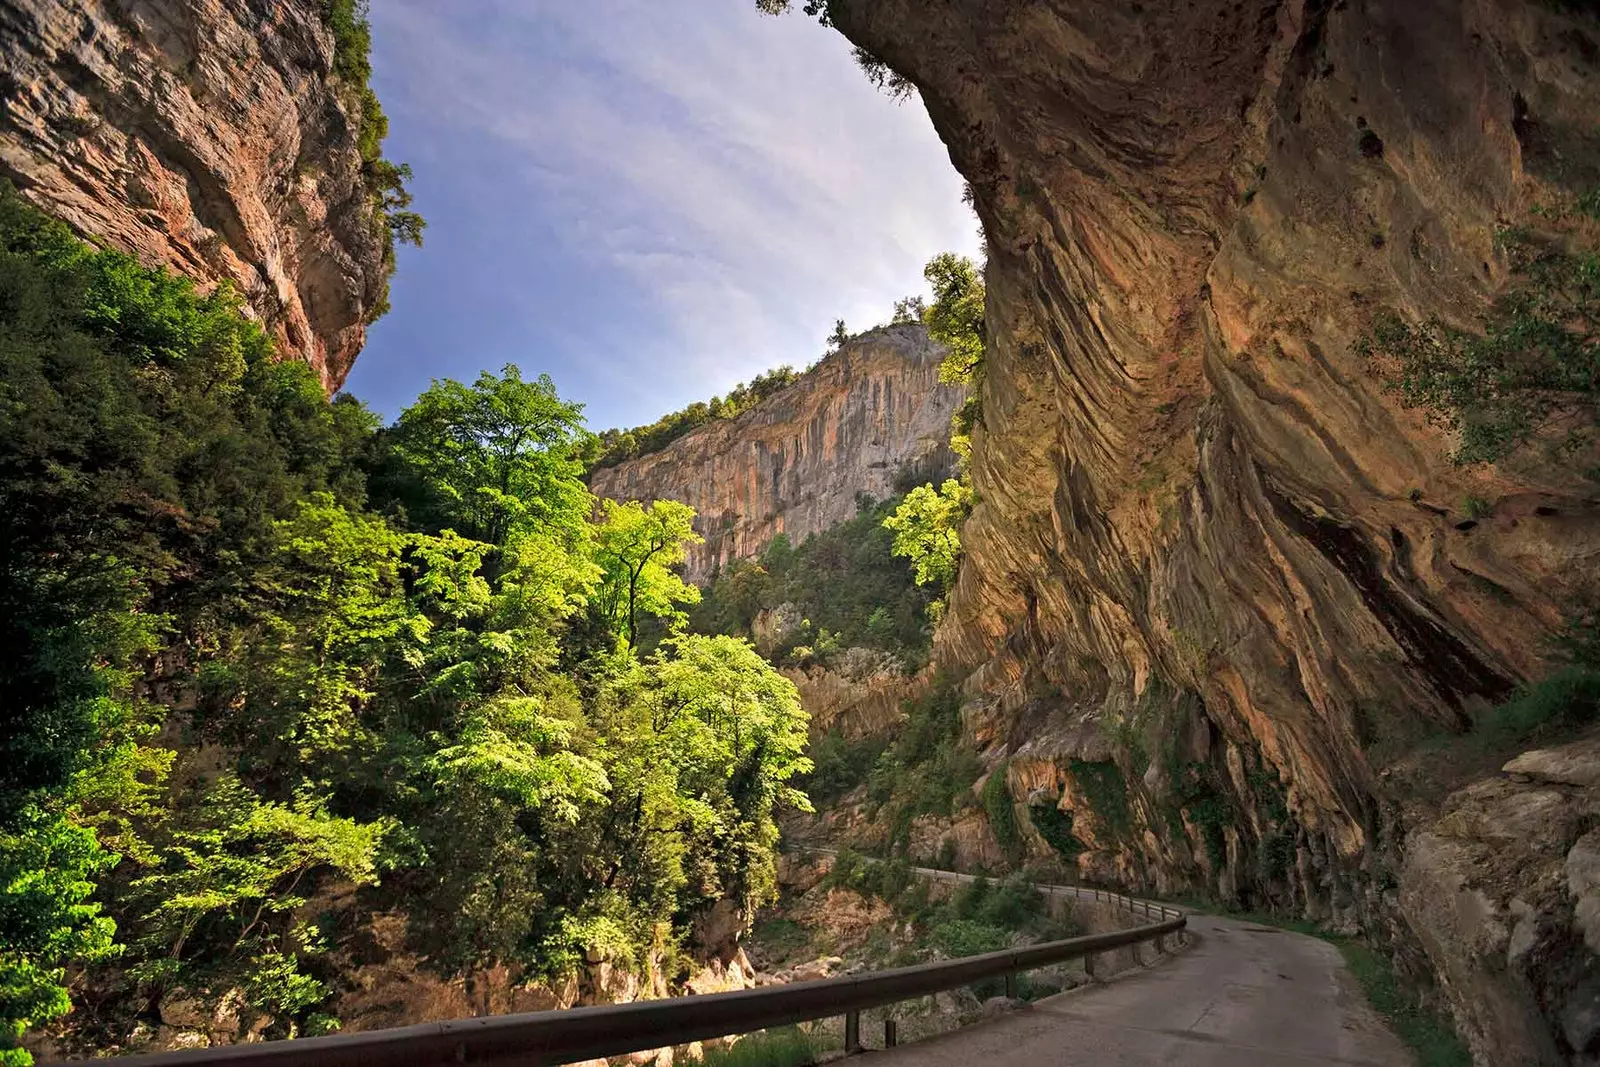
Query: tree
<point x="637" y="548"/>
<point x="490" y="458"/>
<point x="1536" y="361"/>
<point x="926" y="530"/>
<point x="839" y="337"/>
<point x="909" y="309"/>
<point x="47" y="872"/>
<point x="955" y="318"/>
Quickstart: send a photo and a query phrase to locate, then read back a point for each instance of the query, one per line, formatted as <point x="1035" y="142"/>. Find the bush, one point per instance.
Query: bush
<point x="1002" y="812"/>
<point x="787" y="1046"/>
<point x="1533" y="363"/>
<point x="1564" y="701"/>
<point x="1055" y="826"/>
<point x="840" y="765"/>
<point x="956" y="938"/>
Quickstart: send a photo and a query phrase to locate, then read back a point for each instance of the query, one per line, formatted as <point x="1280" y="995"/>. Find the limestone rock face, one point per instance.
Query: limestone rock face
<point x="207" y="136"/>
<point x="1211" y="551"/>
<point x="795" y="463"/>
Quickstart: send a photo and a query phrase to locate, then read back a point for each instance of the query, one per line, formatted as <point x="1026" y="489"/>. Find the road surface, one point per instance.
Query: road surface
<point x="1240" y="994"/>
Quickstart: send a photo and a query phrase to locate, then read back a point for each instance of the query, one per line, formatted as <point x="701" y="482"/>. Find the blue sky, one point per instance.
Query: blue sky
<point x="648" y="200"/>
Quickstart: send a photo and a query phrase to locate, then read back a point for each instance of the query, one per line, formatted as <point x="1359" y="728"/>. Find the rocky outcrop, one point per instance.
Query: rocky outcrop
<point x="1212" y="556"/>
<point x="208" y="136"/>
<point x="865" y="416"/>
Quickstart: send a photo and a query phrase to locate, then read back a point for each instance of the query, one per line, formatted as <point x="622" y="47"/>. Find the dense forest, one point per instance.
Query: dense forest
<point x="272" y="667"/>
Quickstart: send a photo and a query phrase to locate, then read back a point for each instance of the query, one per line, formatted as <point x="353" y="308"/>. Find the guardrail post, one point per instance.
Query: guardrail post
<point x="1011" y="985"/>
<point x="1161" y="945"/>
<point x="891" y="1035"/>
<point x="1088" y="965"/>
<point x="852" y="1032"/>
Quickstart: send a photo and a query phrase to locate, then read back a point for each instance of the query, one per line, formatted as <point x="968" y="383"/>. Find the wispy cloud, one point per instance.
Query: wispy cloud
<point x="650" y="201"/>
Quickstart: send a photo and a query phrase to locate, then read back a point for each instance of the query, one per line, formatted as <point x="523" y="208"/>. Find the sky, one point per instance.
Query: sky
<point x="649" y="201"/>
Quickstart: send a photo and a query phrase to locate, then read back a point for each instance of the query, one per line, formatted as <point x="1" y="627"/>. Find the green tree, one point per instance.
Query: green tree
<point x="637" y="548"/>
<point x="909" y="309"/>
<point x="242" y="861"/>
<point x="1536" y="360"/>
<point x="955" y="318"/>
<point x="47" y="872"/>
<point x="926" y="529"/>
<point x="498" y="456"/>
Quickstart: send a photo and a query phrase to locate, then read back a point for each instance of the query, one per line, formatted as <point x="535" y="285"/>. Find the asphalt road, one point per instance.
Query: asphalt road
<point x="1241" y="994"/>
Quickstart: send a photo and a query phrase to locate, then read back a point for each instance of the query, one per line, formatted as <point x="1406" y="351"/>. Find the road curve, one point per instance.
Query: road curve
<point x="1242" y="993"/>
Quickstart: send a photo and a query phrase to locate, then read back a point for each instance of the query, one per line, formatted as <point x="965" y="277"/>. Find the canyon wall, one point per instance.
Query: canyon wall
<point x="865" y="416"/>
<point x="208" y="136"/>
<point x="1218" y="578"/>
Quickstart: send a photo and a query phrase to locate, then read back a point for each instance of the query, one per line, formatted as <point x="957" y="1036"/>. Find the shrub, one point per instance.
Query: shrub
<point x="1002" y="813"/>
<point x="956" y="938"/>
<point x="1564" y="701"/>
<point x="1055" y="826"/>
<point x="1533" y="362"/>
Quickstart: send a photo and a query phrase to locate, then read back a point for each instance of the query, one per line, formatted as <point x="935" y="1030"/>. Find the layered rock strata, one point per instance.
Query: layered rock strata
<point x="208" y="136"/>
<point x="866" y="420"/>
<point x="1217" y="574"/>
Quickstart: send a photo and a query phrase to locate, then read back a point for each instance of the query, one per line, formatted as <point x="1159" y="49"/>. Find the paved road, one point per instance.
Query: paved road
<point x="1241" y="994"/>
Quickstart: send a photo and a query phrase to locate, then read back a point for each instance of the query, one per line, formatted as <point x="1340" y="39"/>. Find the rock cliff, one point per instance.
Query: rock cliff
<point x="795" y="463"/>
<point x="1216" y="572"/>
<point x="209" y="136"/>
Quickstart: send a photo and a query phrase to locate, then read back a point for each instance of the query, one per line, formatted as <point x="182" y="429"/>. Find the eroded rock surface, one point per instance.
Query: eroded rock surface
<point x="1210" y="549"/>
<point x="208" y="136"/>
<point x="796" y="463"/>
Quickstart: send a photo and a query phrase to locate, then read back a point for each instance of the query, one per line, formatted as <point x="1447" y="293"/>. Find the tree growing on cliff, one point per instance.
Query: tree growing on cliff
<point x="955" y="318"/>
<point x="926" y="529"/>
<point x="1534" y="364"/>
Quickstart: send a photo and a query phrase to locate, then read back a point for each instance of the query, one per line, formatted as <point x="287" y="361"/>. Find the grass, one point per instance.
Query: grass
<point x="786" y="1046"/>
<point x="1433" y="1039"/>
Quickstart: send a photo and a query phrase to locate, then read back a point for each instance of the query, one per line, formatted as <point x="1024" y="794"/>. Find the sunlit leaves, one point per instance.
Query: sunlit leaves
<point x="927" y="530"/>
<point x="637" y="550"/>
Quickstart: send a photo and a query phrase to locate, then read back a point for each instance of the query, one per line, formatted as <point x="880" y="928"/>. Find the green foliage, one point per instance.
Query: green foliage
<point x="1002" y="812"/>
<point x="498" y="457"/>
<point x="638" y="548"/>
<point x="844" y="582"/>
<point x="965" y="937"/>
<point x="615" y="446"/>
<point x="1535" y="362"/>
<point x="1432" y="1038"/>
<point x="47" y="872"/>
<point x="385" y="181"/>
<point x="222" y="664"/>
<point x="1106" y="790"/>
<point x="1201" y="799"/>
<point x="1565" y="700"/>
<point x="1055" y="826"/>
<point x="784" y="1047"/>
<point x="840" y="766"/>
<point x="926" y="529"/>
<point x="955" y="318"/>
<point x="238" y="864"/>
<point x="929" y="770"/>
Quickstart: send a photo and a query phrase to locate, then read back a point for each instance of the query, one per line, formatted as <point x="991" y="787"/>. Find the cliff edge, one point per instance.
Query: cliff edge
<point x="863" y="419"/>
<point x="208" y="136"/>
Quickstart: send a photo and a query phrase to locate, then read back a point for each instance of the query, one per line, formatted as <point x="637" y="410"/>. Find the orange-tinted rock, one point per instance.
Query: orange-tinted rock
<point x="1200" y="513"/>
<point x="207" y="136"/>
<point x="796" y="463"/>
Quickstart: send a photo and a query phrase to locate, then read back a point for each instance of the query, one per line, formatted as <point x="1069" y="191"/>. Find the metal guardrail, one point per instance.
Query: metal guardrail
<point x="539" y="1039"/>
